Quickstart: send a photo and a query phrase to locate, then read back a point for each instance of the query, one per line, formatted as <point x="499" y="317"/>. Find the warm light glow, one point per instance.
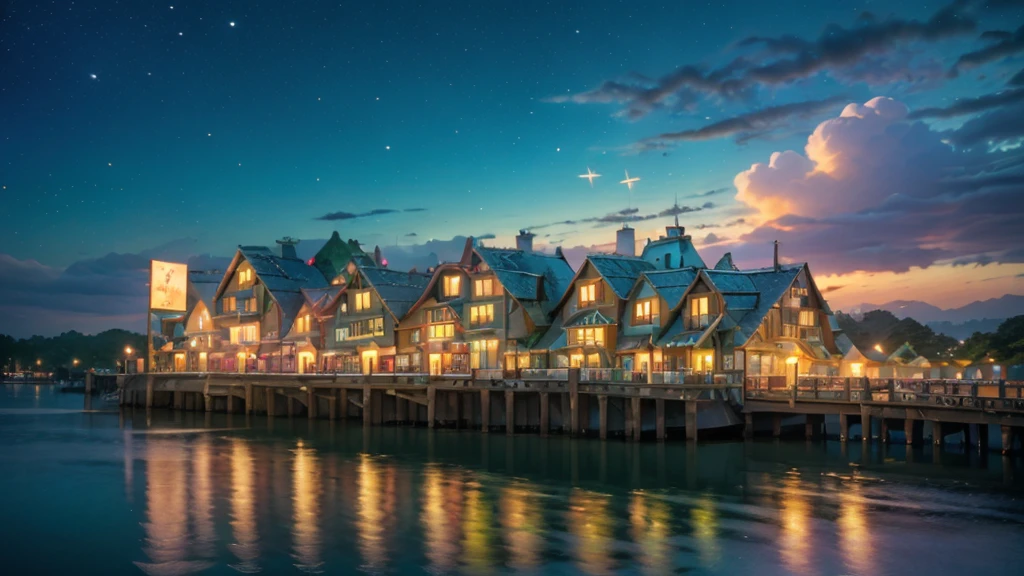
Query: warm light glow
<point x="522" y="521"/>
<point x="375" y="507"/>
<point x="243" y="508"/>
<point x="855" y="539"/>
<point x="630" y="181"/>
<point x="878" y="347"/>
<point x="441" y="506"/>
<point x="856" y="369"/>
<point x="75" y="361"/>
<point x="650" y="525"/>
<point x="477" y="530"/>
<point x="708" y="358"/>
<point x="128" y="350"/>
<point x="591" y="175"/>
<point x="704" y="517"/>
<point x="795" y="543"/>
<point x="792" y="360"/>
<point x="193" y="343"/>
<point x="39" y="362"/>
<point x="590" y="522"/>
<point x="306" y="506"/>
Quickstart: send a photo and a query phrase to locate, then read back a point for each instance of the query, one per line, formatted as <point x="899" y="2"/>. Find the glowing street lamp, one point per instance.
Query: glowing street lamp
<point x="878" y="347"/>
<point x="127" y="357"/>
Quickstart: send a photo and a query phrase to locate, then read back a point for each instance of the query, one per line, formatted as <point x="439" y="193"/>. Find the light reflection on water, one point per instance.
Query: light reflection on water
<point x="339" y="499"/>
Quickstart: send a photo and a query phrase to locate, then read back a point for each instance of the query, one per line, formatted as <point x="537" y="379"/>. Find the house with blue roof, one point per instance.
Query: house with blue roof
<point x="485" y="311"/>
<point x="256" y="302"/>
<point x="646" y="315"/>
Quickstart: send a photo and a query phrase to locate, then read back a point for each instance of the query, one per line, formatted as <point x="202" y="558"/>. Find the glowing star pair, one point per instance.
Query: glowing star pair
<point x="628" y="181"/>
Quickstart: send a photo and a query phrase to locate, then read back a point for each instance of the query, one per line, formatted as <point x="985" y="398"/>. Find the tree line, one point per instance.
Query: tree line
<point x="100" y="351"/>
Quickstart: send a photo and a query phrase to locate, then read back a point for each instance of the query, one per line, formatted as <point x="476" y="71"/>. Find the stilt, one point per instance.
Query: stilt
<point x="574" y="417"/>
<point x="748" y="425"/>
<point x="485" y="410"/>
<point x="937" y="435"/>
<point x="566" y="424"/>
<point x="431" y="405"/>
<point x="691" y="420"/>
<point x="311" y="403"/>
<point x="149" y="391"/>
<point x="884" y="431"/>
<point x="343" y="403"/>
<point x="248" y="398"/>
<point x="865" y="424"/>
<point x="1007" y="433"/>
<point x="209" y="403"/>
<point x="981" y="438"/>
<point x="544" y="416"/>
<point x="453" y="408"/>
<point x="776" y="425"/>
<point x="291" y="406"/>
<point x="659" y="417"/>
<point x="844" y="427"/>
<point x="627" y="411"/>
<point x="637" y="422"/>
<point x="270" y="401"/>
<point x="510" y="412"/>
<point x="367" y="405"/>
<point x="602" y="419"/>
<point x="178" y="399"/>
<point x="89" y="385"/>
<point x="401" y="410"/>
<point x="811" y="427"/>
<point x="230" y="404"/>
<point x="909" y="428"/>
<point x="332" y="408"/>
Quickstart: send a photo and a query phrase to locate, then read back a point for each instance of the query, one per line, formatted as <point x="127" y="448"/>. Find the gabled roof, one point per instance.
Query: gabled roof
<point x="669" y="284"/>
<point x="588" y="317"/>
<point x="205" y="284"/>
<point x="319" y="298"/>
<point x="726" y="263"/>
<point x="620" y="272"/>
<point x="770" y="285"/>
<point x="398" y="291"/>
<point x="685" y="250"/>
<point x="523" y="273"/>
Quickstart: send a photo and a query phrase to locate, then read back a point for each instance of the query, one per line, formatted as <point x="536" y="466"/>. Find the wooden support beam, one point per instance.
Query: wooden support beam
<point x="981" y="438"/>
<point x="311" y="403"/>
<point x="691" y="420"/>
<point x="332" y="408"/>
<point x="544" y="415"/>
<point x="627" y="412"/>
<point x="844" y="427"/>
<point x="883" y="431"/>
<point x="865" y="423"/>
<point x="270" y="401"/>
<point x="453" y="408"/>
<point x="1007" y="437"/>
<point x="401" y="409"/>
<point x="937" y="434"/>
<point x="343" y="403"/>
<point x="149" y="391"/>
<point x="637" y="420"/>
<point x="776" y="425"/>
<point x="485" y="411"/>
<point x="574" y="416"/>
<point x="910" y="429"/>
<point x="659" y="417"/>
<point x="566" y="421"/>
<point x="291" y="406"/>
<point x="431" y="405"/>
<point x="248" y="397"/>
<point x="748" y="425"/>
<point x="602" y="419"/>
<point x="230" y="407"/>
<point x="367" y="405"/>
<point x="510" y="412"/>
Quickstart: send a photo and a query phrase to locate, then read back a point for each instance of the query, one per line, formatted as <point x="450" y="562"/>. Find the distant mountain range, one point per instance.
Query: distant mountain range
<point x="979" y="316"/>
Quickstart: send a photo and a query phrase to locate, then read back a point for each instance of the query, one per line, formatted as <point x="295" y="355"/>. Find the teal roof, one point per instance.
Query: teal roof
<point x="671" y="284"/>
<point x="588" y="317"/>
<point x="620" y="272"/>
<point x="528" y="275"/>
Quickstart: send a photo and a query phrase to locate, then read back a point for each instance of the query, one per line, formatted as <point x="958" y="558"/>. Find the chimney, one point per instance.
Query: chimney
<point x="288" y="247"/>
<point x="524" y="241"/>
<point x="776" y="262"/>
<point x="558" y="252"/>
<point x="625" y="241"/>
<point x="377" y="259"/>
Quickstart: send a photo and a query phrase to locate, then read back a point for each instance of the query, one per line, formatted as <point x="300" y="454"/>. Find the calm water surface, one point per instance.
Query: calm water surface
<point x="98" y="493"/>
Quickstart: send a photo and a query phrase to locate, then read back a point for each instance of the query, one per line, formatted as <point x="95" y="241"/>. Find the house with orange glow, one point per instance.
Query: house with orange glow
<point x="257" y="303"/>
<point x="485" y="311"/>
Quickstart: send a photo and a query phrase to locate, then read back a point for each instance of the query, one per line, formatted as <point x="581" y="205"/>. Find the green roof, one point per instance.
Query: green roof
<point x="335" y="255"/>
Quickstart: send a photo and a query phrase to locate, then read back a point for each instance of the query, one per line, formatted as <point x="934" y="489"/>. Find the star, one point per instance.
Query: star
<point x="181" y="33"/>
<point x="232" y="24"/>
<point x="590" y="176"/>
<point x="93" y="76"/>
<point x="558" y="149"/>
<point x="630" y="181"/>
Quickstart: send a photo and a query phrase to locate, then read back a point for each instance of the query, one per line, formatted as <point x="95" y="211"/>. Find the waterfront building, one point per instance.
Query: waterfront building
<point x="485" y="311"/>
<point x="334" y="259"/>
<point x="307" y="334"/>
<point x="361" y="319"/>
<point x="202" y="336"/>
<point x="257" y="302"/>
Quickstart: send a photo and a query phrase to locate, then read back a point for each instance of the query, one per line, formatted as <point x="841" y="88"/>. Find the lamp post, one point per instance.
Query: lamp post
<point x="127" y="357"/>
<point x="794" y="362"/>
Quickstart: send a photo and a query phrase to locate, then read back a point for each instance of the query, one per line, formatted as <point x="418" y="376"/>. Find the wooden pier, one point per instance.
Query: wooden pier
<point x="578" y="402"/>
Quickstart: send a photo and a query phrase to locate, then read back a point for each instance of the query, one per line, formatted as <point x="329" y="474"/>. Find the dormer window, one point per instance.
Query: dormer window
<point x="643" y="312"/>
<point x="344" y="307"/>
<point x="589" y="294"/>
<point x="452" y="286"/>
<point x="483" y="287"/>
<point x="245" y="278"/>
<point x="699" y="312"/>
<point x="362" y="301"/>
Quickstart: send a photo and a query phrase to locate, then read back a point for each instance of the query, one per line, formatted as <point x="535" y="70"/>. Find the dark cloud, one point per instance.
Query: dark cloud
<point x="971" y="105"/>
<point x="626" y="216"/>
<point x="831" y="289"/>
<point x="333" y="216"/>
<point x="1003" y="44"/>
<point x="756" y="122"/>
<point x="1002" y="125"/>
<point x="712" y="238"/>
<point x="714" y="192"/>
<point x="410" y="235"/>
<point x="1017" y="80"/>
<point x="844" y="52"/>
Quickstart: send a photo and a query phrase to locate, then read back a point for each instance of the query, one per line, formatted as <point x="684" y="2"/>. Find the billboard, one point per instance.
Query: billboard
<point x="168" y="285"/>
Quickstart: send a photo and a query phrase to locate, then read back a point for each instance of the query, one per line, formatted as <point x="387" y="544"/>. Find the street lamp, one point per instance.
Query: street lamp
<point x="127" y="357"/>
<point x="794" y="362"/>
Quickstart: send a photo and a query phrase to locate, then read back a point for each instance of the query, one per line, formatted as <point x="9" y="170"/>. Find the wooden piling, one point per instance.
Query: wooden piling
<point x="343" y="403"/>
<point x="270" y="401"/>
<point x="602" y="419"/>
<point x="291" y="406"/>
<point x="149" y="391"/>
<point x="981" y="438"/>
<point x="248" y="397"/>
<point x="544" y="416"/>
<point x="844" y="427"/>
<point x="637" y="420"/>
<point x="659" y="417"/>
<point x="453" y="408"/>
<point x="367" y="405"/>
<point x="311" y="407"/>
<point x="332" y="408"/>
<point x="431" y="405"/>
<point x="865" y="423"/>
<point x="937" y="435"/>
<point x="566" y="423"/>
<point x="748" y="425"/>
<point x="485" y="410"/>
<point x="230" y="405"/>
<point x="691" y="420"/>
<point x="510" y="412"/>
<point x="1007" y="437"/>
<point x="776" y="425"/>
<point x="401" y="410"/>
<point x="883" y="431"/>
<point x="574" y="416"/>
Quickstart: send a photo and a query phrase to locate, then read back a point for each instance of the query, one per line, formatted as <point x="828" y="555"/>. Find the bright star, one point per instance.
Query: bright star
<point x="630" y="181"/>
<point x="387" y="147"/>
<point x="590" y="176"/>
<point x="93" y="76"/>
<point x="232" y="24"/>
<point x="181" y="33"/>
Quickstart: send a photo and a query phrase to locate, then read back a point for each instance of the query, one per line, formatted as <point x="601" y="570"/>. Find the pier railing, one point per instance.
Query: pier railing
<point x="969" y="394"/>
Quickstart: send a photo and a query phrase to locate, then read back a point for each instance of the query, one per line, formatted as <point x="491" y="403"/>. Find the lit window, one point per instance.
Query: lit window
<point x="228" y="304"/>
<point x="808" y="318"/>
<point x="414" y="336"/>
<point x="452" y="286"/>
<point x="642" y="313"/>
<point x="587" y="336"/>
<point x="483" y="287"/>
<point x="344" y="307"/>
<point x="244" y="278"/>
<point x="341" y="334"/>
<point x="362" y="301"/>
<point x="442" y="331"/>
<point x="250" y="304"/>
<point x="699" y="316"/>
<point x="856" y="369"/>
<point x="483" y="314"/>
<point x="588" y="295"/>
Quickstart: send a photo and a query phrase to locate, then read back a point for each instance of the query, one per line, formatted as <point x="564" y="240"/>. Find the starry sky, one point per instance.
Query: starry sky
<point x="878" y="141"/>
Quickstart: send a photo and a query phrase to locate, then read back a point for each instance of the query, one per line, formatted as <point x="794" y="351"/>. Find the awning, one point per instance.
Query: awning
<point x="628" y="344"/>
<point x="588" y="317"/>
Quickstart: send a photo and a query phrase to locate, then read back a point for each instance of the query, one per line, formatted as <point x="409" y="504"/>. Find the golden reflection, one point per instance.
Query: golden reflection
<point x="166" y="526"/>
<point x="855" y="540"/>
<point x="523" y="521"/>
<point x="202" y="495"/>
<point x="650" y="526"/>
<point x="591" y="523"/>
<point x="795" y="544"/>
<point x="306" y="508"/>
<point x="440" y="516"/>
<point x="243" y="508"/>
<point x="376" y="510"/>
<point x="478" y="529"/>
<point x="129" y="462"/>
<point x="704" y="516"/>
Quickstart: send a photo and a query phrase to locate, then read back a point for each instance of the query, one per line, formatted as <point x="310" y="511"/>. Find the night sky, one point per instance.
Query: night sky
<point x="878" y="141"/>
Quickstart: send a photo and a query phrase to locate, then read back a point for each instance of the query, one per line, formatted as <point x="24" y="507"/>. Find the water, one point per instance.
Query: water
<point x="92" y="493"/>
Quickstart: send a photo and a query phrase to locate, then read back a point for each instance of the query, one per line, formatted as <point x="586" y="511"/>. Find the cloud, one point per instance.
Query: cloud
<point x="714" y="192"/>
<point x="1000" y="126"/>
<point x="971" y="105"/>
<point x="410" y="235"/>
<point x="712" y="238"/>
<point x="334" y="216"/>
<point x="745" y="126"/>
<point x="1003" y="44"/>
<point x="844" y="52"/>
<point x="627" y="215"/>
<point x="873" y="192"/>
<point x="1017" y="80"/>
